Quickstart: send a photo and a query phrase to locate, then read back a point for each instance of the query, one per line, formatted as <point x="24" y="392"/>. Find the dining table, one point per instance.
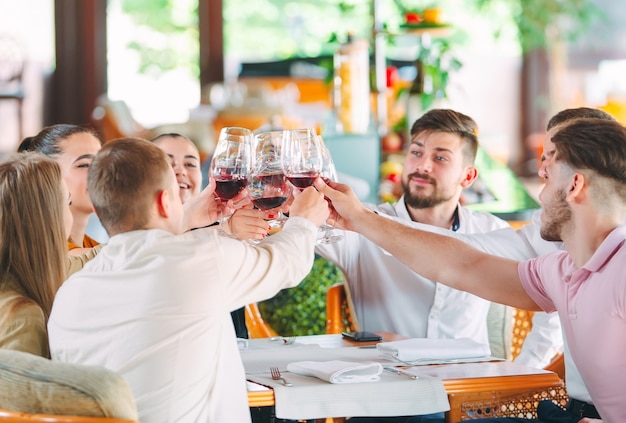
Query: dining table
<point x="464" y="389"/>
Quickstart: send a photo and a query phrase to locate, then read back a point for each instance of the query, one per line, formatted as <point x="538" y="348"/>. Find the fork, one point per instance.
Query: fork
<point x="401" y="372"/>
<point x="276" y="376"/>
<point x="285" y="340"/>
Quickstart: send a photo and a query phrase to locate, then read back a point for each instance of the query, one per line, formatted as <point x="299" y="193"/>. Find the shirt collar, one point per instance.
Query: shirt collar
<point x="403" y="212"/>
<point x="607" y="249"/>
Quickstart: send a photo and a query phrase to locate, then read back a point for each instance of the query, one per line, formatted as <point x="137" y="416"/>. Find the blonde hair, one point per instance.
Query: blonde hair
<point x="32" y="235"/>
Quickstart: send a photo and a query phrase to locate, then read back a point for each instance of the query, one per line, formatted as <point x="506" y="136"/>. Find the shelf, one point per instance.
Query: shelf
<point x="434" y="29"/>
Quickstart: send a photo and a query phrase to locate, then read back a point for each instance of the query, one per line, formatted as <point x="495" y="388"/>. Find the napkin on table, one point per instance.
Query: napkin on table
<point x="428" y="348"/>
<point x="337" y="371"/>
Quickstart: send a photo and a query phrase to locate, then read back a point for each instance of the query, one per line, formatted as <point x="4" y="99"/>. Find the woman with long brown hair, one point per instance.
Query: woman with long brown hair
<point x="35" y="220"/>
<point x="74" y="148"/>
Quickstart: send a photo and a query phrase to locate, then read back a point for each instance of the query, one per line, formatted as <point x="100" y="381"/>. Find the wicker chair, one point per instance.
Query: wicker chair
<point x="257" y="327"/>
<point x="20" y="417"/>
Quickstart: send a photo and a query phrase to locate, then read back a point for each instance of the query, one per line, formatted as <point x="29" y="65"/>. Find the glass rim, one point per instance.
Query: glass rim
<point x="236" y="132"/>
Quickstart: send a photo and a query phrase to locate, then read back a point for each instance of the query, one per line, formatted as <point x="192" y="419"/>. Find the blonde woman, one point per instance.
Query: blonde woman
<point x="35" y="219"/>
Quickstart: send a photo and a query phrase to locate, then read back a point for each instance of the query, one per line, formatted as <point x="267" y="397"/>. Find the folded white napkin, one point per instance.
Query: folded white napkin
<point x="337" y="371"/>
<point x="432" y="349"/>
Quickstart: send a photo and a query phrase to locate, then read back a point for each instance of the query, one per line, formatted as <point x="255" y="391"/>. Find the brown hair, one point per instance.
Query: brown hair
<point x="577" y="113"/>
<point x="48" y="140"/>
<point x="446" y="120"/>
<point x="598" y="145"/>
<point x="32" y="235"/>
<point x="122" y="180"/>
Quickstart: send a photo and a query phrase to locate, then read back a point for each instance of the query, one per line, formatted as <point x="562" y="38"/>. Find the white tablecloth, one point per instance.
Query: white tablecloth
<point x="310" y="397"/>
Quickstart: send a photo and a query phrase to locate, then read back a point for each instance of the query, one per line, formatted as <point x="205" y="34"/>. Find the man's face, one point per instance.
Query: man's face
<point x="557" y="211"/>
<point x="435" y="170"/>
<point x="548" y="151"/>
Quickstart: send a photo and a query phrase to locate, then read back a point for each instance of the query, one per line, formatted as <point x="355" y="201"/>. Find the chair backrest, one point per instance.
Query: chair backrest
<point x="522" y="325"/>
<point x="257" y="327"/>
<point x="20" y="417"/>
<point x="113" y="119"/>
<point x="338" y="315"/>
<point x="32" y="385"/>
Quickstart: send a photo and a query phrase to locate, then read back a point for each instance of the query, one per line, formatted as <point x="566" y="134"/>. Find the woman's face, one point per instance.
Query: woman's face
<point x="79" y="151"/>
<point x="185" y="161"/>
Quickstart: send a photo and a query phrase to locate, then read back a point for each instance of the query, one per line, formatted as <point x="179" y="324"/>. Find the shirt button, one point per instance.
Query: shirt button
<point x="567" y="278"/>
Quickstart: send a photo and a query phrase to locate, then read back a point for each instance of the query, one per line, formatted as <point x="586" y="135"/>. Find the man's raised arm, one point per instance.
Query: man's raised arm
<point x="433" y="256"/>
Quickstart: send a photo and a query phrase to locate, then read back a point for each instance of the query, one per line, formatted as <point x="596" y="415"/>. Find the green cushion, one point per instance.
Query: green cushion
<point x="33" y="384"/>
<point x="500" y="330"/>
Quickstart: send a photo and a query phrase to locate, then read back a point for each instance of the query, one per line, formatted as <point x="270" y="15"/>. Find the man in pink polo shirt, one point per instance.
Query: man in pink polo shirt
<point x="584" y="205"/>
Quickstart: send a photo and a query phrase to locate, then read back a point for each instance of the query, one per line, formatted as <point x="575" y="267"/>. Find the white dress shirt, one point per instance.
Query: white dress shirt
<point x="388" y="296"/>
<point x="154" y="307"/>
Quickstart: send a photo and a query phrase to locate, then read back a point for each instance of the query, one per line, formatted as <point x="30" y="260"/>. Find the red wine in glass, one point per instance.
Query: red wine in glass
<point x="268" y="203"/>
<point x="303" y="180"/>
<point x="276" y="180"/>
<point x="228" y="186"/>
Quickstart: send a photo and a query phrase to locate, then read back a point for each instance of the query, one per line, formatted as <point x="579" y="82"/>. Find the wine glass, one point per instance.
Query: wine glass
<point x="230" y="164"/>
<point x="328" y="173"/>
<point x="267" y="185"/>
<point x="302" y="157"/>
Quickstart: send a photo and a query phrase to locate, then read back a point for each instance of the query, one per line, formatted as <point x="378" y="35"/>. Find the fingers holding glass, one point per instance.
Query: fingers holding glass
<point x="231" y="163"/>
<point x="302" y="160"/>
<point x="328" y="173"/>
<point x="267" y="185"/>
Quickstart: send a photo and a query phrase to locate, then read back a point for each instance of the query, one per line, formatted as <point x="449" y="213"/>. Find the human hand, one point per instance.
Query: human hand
<point x="241" y="200"/>
<point x="345" y="205"/>
<point x="311" y="205"/>
<point x="588" y="420"/>
<point x="248" y="223"/>
<point x="204" y="209"/>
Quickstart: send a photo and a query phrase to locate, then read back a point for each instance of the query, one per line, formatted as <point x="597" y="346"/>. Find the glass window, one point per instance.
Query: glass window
<point x="153" y="58"/>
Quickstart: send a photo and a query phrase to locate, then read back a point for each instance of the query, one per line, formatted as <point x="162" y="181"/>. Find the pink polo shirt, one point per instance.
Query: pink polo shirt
<point x="591" y="303"/>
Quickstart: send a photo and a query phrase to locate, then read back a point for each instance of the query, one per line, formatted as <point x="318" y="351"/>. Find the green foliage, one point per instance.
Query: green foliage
<point x="291" y="28"/>
<point x="541" y="22"/>
<point x="301" y="310"/>
<point x="437" y="64"/>
<point x="166" y="35"/>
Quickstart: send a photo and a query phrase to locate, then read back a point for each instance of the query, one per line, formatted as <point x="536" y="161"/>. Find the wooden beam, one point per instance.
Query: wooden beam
<point x="80" y="75"/>
<point x="211" y="41"/>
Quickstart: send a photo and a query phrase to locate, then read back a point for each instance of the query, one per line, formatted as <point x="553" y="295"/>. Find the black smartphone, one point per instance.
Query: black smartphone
<point x="362" y="336"/>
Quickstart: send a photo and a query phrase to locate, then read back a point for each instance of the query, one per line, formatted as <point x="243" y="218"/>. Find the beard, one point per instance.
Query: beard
<point x="419" y="201"/>
<point x="557" y="213"/>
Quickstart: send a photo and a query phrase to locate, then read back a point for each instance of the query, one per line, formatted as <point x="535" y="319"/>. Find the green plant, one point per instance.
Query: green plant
<point x="541" y="22"/>
<point x="436" y="62"/>
<point x="301" y="310"/>
<point x="166" y="37"/>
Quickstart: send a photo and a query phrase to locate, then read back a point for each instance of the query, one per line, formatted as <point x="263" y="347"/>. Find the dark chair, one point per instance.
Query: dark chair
<point x="12" y="61"/>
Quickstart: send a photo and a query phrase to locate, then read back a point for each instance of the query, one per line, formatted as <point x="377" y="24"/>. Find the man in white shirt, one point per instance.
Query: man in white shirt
<point x="387" y="295"/>
<point x="154" y="304"/>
